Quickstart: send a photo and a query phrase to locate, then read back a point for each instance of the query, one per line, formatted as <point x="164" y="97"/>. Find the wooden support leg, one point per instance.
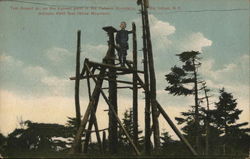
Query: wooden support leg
<point x="116" y="116"/>
<point x="92" y="119"/>
<point x="89" y="87"/>
<point x="170" y="122"/>
<point x="104" y="141"/>
<point x="113" y="129"/>
<point x="77" y="81"/>
<point x="135" y="88"/>
<point x="177" y="132"/>
<point x="96" y="93"/>
<point x="147" y="145"/>
<point x="98" y="135"/>
<point x="152" y="84"/>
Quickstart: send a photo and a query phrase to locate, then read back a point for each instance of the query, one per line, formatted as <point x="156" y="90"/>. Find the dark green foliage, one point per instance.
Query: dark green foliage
<point x="3" y="143"/>
<point x="171" y="147"/>
<point x="226" y="136"/>
<point x="180" y="77"/>
<point x="189" y="127"/>
<point x="127" y="122"/>
<point x="188" y="56"/>
<point x="128" y="125"/>
<point x="72" y="126"/>
<point x="223" y="128"/>
<point x="38" y="137"/>
<point x="184" y="81"/>
<point x="166" y="140"/>
<point x="188" y="123"/>
<point x="226" y="112"/>
<point x="225" y="118"/>
<point x="177" y="78"/>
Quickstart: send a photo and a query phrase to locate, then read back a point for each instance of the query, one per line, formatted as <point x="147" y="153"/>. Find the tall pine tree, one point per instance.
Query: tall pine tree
<point x="180" y="80"/>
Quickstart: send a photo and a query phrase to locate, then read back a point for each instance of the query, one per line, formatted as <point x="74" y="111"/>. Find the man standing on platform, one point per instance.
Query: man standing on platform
<point x="122" y="43"/>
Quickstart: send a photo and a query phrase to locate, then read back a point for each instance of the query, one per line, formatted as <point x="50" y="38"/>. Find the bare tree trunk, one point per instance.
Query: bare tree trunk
<point x="207" y="123"/>
<point x="196" y="116"/>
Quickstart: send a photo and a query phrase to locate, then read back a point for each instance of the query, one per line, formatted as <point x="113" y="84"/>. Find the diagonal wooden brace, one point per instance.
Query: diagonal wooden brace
<point x="96" y="93"/>
<point x="117" y="118"/>
<point x="167" y="118"/>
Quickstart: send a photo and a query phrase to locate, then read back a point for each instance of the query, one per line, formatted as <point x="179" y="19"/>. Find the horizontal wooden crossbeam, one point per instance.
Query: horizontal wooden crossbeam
<point x="91" y="63"/>
<point x="120" y="87"/>
<point x="167" y="118"/>
<point x="118" y="81"/>
<point x="114" y="112"/>
<point x="82" y="77"/>
<point x="120" y="70"/>
<point x="91" y="131"/>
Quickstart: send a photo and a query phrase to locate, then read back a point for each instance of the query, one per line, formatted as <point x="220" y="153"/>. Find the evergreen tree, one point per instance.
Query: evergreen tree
<point x="127" y="122"/>
<point x="128" y="125"/>
<point x="3" y="140"/>
<point x="172" y="147"/>
<point x="184" y="81"/>
<point x="166" y="140"/>
<point x="72" y="126"/>
<point x="226" y="115"/>
<point x="37" y="137"/>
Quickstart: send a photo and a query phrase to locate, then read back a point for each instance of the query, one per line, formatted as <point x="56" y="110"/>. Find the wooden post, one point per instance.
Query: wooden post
<point x="104" y="141"/>
<point x="152" y="79"/>
<point x="107" y="60"/>
<point x="113" y="129"/>
<point x="135" y="89"/>
<point x="98" y="135"/>
<point x="94" y="98"/>
<point x="164" y="114"/>
<point x="89" y="86"/>
<point x="92" y="119"/>
<point x="77" y="81"/>
<point x="177" y="132"/>
<point x="146" y="82"/>
<point x="112" y="110"/>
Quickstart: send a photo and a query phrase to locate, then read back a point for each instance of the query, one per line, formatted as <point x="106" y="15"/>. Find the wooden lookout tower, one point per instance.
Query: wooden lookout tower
<point x="108" y="71"/>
